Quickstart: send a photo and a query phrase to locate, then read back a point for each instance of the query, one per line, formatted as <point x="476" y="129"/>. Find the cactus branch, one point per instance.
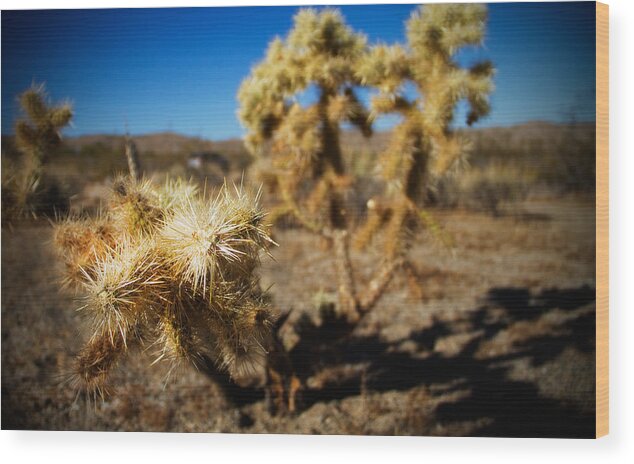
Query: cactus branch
<point x="345" y="279"/>
<point x="378" y="284"/>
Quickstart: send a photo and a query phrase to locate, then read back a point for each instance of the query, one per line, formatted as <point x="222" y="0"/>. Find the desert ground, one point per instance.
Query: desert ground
<point x="500" y="342"/>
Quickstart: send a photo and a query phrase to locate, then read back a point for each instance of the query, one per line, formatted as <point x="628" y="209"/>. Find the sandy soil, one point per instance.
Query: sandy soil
<point x="501" y="342"/>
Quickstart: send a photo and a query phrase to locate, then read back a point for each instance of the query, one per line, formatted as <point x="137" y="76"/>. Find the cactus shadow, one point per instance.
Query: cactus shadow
<point x="531" y="328"/>
<point x="234" y="394"/>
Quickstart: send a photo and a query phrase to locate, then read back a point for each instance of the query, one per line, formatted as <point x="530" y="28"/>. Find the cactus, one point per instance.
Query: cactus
<point x="320" y="51"/>
<point x="37" y="137"/>
<point x="302" y="141"/>
<point x="168" y="265"/>
<point x="424" y="146"/>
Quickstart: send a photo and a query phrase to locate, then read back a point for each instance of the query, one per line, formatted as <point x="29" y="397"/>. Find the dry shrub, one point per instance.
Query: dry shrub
<point x="485" y="189"/>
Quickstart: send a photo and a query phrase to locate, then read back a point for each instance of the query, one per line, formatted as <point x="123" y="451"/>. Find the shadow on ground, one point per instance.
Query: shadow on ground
<point x="510" y="326"/>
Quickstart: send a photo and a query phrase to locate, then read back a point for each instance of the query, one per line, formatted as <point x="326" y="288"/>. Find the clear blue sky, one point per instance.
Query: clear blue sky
<point x="179" y="69"/>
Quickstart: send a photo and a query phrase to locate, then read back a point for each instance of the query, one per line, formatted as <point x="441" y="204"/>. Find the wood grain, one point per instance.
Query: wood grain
<point x="602" y="219"/>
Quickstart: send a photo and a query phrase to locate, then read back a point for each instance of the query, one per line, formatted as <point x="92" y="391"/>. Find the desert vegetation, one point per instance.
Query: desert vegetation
<point x="26" y="191"/>
<point x="304" y="145"/>
<point x="420" y="271"/>
<point x="172" y="268"/>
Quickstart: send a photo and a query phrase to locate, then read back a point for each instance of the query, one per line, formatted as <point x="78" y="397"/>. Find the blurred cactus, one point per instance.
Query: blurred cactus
<point x="303" y="140"/>
<point x="320" y="52"/>
<point x="38" y="134"/>
<point x="37" y="137"/>
<point x="169" y="265"/>
<point x="423" y="146"/>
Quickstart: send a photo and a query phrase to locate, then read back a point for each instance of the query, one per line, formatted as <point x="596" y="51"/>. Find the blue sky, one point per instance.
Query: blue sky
<point x="179" y="69"/>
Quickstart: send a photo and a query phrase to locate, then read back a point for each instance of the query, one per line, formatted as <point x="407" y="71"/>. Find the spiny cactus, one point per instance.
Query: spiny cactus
<point x="302" y="141"/>
<point x="37" y="137"/>
<point x="424" y="145"/>
<point x="321" y="51"/>
<point x="172" y="267"/>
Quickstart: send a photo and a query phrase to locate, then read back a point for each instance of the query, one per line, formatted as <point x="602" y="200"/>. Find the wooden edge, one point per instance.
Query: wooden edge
<point x="602" y="220"/>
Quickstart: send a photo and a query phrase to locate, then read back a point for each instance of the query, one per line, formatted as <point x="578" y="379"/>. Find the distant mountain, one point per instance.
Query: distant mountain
<point x="161" y="143"/>
<point x="171" y="144"/>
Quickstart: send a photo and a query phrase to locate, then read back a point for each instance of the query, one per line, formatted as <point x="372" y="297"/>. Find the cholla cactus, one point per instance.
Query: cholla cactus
<point x="37" y="136"/>
<point x="320" y="51"/>
<point x="424" y="145"/>
<point x="304" y="140"/>
<point x="169" y="266"/>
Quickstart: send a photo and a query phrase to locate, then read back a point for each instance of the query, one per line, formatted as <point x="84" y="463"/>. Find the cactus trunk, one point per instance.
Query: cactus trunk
<point x="345" y="279"/>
